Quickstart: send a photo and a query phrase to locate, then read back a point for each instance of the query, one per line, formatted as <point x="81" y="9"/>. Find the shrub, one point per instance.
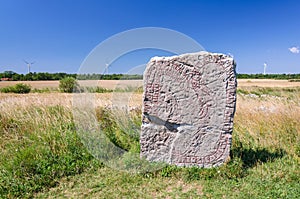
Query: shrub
<point x="18" y="88"/>
<point x="22" y="88"/>
<point x="68" y="84"/>
<point x="7" y="89"/>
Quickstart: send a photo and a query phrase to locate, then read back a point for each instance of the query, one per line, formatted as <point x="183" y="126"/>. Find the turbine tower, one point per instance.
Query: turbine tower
<point x="29" y="64"/>
<point x="106" y="68"/>
<point x="265" y="67"/>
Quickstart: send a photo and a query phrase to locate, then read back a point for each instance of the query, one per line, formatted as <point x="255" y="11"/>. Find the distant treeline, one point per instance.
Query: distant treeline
<point x="108" y="77"/>
<point x="34" y="76"/>
<point x="268" y="76"/>
<point x="10" y="75"/>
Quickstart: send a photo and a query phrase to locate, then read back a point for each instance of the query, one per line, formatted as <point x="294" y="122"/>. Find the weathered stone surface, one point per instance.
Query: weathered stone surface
<point x="188" y="108"/>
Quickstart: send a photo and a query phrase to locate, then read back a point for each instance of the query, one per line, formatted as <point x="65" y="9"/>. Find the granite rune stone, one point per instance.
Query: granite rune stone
<point x="188" y="108"/>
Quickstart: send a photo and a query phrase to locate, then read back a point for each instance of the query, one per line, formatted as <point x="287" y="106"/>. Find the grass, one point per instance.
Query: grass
<point x="294" y="80"/>
<point x="287" y="92"/>
<point x="97" y="89"/>
<point x="44" y="90"/>
<point x="38" y="149"/>
<point x="42" y="155"/>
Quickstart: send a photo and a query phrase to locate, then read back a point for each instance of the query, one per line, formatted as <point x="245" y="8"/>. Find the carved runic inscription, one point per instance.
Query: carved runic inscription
<point x="188" y="108"/>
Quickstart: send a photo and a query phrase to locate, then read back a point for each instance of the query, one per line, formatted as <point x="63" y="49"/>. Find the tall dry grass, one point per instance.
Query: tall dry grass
<point x="39" y="144"/>
<point x="269" y="121"/>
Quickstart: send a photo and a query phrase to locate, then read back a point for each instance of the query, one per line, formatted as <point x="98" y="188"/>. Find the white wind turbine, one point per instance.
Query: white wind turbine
<point x="265" y="67"/>
<point x="106" y="68"/>
<point x="29" y="64"/>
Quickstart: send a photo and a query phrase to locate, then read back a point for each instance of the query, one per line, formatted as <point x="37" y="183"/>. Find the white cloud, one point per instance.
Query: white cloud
<point x="294" y="49"/>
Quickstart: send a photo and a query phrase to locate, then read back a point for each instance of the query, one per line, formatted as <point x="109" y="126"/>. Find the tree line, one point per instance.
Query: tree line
<point x="34" y="76"/>
<point x="108" y="76"/>
<point x="268" y="76"/>
<point x="10" y="75"/>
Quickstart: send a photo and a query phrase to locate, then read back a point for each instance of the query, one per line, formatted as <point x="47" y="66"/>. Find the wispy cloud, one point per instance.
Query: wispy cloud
<point x="294" y="49"/>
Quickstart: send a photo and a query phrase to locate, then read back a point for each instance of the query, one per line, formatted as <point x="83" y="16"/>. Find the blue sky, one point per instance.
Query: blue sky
<point x="59" y="34"/>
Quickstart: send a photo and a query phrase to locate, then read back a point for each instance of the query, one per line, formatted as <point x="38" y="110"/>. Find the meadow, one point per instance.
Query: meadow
<point x="43" y="156"/>
<point x="110" y="84"/>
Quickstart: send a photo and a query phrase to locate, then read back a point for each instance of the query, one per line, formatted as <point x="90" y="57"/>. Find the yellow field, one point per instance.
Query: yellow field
<point x="111" y="84"/>
<point x="65" y="99"/>
<point x="266" y="83"/>
<point x="106" y="99"/>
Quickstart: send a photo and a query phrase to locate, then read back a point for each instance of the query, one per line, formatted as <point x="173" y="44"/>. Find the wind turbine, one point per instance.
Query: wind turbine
<point x="106" y="68"/>
<point x="28" y="64"/>
<point x="265" y="67"/>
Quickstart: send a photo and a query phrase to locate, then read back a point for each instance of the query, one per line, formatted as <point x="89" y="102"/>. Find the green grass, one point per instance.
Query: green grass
<point x="44" y="90"/>
<point x="269" y="91"/>
<point x="38" y="149"/>
<point x="42" y="156"/>
<point x="98" y="89"/>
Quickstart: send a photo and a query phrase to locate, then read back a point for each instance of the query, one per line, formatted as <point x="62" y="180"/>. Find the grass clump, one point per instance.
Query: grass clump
<point x="44" y="90"/>
<point x="121" y="127"/>
<point x="127" y="89"/>
<point x="97" y="90"/>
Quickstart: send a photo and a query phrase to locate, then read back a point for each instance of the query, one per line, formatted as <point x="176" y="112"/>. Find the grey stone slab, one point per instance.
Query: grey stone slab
<point x="188" y="108"/>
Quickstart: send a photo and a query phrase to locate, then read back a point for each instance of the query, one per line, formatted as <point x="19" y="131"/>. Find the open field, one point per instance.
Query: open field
<point x="42" y="155"/>
<point x="266" y="83"/>
<point x="111" y="84"/>
<point x="66" y="100"/>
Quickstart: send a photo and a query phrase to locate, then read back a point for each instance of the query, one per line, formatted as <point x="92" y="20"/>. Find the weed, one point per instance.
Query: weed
<point x="169" y="171"/>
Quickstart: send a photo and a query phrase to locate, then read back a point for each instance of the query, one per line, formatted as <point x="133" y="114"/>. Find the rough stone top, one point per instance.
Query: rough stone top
<point x="201" y="53"/>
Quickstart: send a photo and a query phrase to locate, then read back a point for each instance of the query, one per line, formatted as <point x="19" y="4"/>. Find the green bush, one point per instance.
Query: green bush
<point x="68" y="84"/>
<point x="7" y="89"/>
<point x="18" y="88"/>
<point x="22" y="88"/>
